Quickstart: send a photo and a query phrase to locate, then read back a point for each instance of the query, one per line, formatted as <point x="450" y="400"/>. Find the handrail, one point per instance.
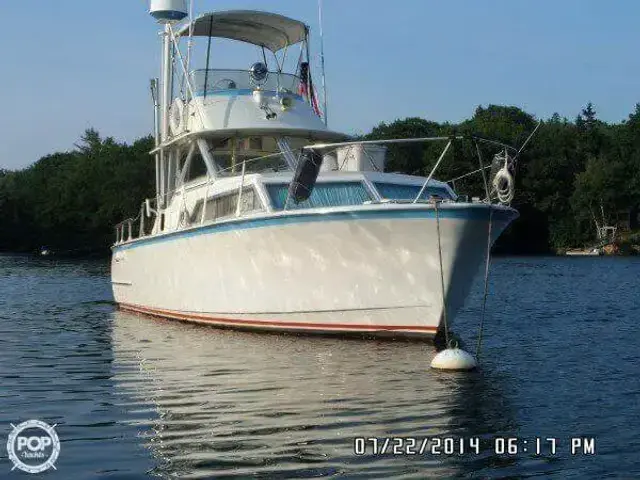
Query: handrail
<point x="128" y="220"/>
<point x="135" y="219"/>
<point x="284" y="82"/>
<point x="240" y="70"/>
<point x="125" y="227"/>
<point x="382" y="142"/>
<point x="410" y="140"/>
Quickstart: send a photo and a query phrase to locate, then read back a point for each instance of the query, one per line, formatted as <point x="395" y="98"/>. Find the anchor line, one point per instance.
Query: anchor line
<point x="486" y="284"/>
<point x="444" y="303"/>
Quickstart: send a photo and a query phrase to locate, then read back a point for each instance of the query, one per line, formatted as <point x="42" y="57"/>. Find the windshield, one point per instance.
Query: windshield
<point x="260" y="154"/>
<point x="395" y="191"/>
<point x="238" y="81"/>
<point x="324" y="194"/>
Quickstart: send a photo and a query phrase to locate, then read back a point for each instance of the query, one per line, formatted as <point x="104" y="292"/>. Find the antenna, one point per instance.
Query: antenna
<point x="189" y="44"/>
<point x="324" y="82"/>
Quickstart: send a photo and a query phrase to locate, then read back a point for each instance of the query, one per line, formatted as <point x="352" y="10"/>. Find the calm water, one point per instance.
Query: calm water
<point x="134" y="396"/>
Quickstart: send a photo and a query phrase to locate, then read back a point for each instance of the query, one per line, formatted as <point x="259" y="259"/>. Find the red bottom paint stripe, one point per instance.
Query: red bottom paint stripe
<point x="273" y="324"/>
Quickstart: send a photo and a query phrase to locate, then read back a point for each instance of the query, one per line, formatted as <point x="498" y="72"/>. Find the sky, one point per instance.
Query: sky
<point x="68" y="65"/>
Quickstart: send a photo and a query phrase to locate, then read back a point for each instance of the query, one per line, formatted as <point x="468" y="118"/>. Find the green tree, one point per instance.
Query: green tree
<point x="72" y="200"/>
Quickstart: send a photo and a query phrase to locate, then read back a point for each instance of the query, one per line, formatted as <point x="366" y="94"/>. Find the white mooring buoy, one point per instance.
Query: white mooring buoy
<point x="454" y="358"/>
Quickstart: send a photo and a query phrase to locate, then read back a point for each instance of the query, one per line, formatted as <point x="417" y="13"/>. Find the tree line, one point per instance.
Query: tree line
<point x="572" y="172"/>
<point x="70" y="202"/>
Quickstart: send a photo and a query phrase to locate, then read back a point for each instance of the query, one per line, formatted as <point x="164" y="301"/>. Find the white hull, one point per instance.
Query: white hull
<point x="372" y="269"/>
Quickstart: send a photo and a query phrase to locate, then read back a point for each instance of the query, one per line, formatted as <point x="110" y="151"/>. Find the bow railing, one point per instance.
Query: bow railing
<point x="137" y="227"/>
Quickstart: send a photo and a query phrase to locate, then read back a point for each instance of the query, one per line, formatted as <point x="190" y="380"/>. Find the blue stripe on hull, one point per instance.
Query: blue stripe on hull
<point x="476" y="212"/>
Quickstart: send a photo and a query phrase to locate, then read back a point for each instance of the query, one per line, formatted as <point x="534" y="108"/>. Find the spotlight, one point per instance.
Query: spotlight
<point x="258" y="73"/>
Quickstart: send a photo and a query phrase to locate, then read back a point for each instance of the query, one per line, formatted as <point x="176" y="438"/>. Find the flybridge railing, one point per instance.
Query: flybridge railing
<point x="227" y="80"/>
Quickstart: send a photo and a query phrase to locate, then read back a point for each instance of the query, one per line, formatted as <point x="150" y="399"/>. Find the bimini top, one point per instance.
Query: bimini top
<point x="268" y="30"/>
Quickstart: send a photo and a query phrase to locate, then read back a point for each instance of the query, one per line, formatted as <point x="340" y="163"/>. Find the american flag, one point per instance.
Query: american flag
<point x="306" y="89"/>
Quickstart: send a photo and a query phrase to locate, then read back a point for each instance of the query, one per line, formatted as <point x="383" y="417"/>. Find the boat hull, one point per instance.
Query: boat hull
<point x="372" y="271"/>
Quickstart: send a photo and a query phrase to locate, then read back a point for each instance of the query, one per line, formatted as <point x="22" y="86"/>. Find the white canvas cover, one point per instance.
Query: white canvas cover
<point x="269" y="30"/>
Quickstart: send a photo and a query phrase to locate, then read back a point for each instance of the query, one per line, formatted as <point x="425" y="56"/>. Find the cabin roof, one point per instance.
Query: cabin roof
<point x="269" y="30"/>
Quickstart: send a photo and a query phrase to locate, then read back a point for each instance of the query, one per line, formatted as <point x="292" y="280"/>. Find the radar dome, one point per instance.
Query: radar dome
<point x="167" y="11"/>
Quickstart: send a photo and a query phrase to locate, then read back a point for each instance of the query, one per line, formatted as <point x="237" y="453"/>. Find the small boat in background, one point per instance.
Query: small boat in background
<point x="592" y="252"/>
<point x="606" y="240"/>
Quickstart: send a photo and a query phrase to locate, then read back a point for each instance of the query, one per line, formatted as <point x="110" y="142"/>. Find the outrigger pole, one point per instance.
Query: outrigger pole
<point x="324" y="81"/>
<point x="156" y="132"/>
<point x="166" y="101"/>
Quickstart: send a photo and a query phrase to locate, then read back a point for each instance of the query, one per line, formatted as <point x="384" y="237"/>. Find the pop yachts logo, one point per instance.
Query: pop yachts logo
<point x="33" y="446"/>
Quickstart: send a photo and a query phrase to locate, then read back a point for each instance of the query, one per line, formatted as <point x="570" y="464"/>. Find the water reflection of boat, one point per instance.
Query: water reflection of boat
<point x="245" y="404"/>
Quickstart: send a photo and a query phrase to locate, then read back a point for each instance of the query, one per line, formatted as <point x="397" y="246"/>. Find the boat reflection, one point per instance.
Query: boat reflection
<point x="243" y="404"/>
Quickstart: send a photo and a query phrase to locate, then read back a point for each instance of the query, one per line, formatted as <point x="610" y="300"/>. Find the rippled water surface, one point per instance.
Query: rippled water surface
<point x="134" y="396"/>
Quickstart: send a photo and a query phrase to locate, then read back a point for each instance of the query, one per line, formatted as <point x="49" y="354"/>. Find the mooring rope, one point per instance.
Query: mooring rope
<point x="486" y="283"/>
<point x="444" y="303"/>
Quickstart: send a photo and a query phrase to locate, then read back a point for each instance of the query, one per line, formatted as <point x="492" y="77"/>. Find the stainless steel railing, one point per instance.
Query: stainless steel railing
<point x="136" y="227"/>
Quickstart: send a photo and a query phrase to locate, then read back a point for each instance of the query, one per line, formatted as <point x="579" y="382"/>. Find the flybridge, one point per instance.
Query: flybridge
<point x="272" y="32"/>
<point x="199" y="106"/>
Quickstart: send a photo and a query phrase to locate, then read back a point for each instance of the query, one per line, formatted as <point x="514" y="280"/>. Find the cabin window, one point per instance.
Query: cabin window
<point x="395" y="191"/>
<point x="230" y="153"/>
<point x="197" y="167"/>
<point x="326" y="194"/>
<point x="225" y="206"/>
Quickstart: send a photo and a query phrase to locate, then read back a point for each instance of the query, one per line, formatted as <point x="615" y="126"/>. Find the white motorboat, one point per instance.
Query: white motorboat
<point x="266" y="219"/>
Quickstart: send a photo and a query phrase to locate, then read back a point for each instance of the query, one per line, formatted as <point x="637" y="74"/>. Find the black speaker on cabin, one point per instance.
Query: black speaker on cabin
<point x="305" y="176"/>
